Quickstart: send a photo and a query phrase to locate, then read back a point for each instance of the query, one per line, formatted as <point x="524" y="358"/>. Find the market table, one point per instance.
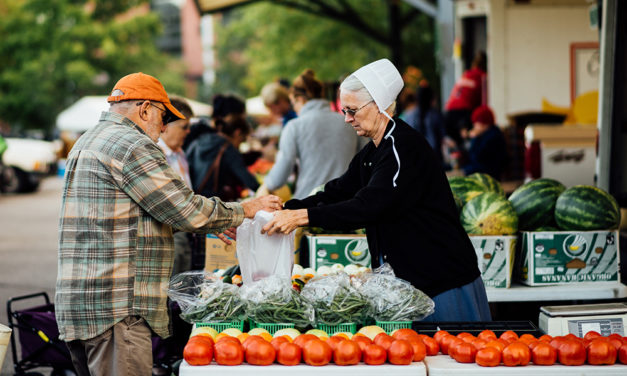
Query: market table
<point x="579" y="291"/>
<point x="414" y="369"/>
<point x="445" y="365"/>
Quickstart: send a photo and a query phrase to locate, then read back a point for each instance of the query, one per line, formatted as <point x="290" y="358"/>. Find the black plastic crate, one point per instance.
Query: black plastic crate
<point x="474" y="328"/>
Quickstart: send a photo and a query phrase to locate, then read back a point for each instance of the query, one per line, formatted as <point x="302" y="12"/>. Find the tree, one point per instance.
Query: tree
<point x="263" y="41"/>
<point x="56" y="51"/>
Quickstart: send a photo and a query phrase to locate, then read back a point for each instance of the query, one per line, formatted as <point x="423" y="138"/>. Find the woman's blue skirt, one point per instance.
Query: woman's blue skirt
<point x="466" y="303"/>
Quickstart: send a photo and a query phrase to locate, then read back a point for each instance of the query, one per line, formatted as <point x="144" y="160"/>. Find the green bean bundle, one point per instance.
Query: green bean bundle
<point x="334" y="300"/>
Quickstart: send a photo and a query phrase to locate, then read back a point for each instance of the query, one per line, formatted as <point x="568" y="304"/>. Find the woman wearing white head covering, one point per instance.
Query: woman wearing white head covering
<point x="396" y="188"/>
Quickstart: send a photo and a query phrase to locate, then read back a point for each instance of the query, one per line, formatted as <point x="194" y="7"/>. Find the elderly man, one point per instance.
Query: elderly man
<point x="121" y="200"/>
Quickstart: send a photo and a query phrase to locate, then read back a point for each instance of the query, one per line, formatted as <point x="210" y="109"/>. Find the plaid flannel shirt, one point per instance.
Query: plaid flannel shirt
<point x="121" y="200"/>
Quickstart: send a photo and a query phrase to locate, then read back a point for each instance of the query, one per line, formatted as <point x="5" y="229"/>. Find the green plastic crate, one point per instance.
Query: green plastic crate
<point x="270" y="327"/>
<point x="350" y="327"/>
<point x="390" y="326"/>
<point x="220" y="326"/>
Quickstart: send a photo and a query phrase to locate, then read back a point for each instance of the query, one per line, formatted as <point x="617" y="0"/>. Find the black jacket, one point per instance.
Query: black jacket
<point x="410" y="216"/>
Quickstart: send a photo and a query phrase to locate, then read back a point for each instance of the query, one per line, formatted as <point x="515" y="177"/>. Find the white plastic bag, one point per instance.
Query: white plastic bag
<point x="260" y="255"/>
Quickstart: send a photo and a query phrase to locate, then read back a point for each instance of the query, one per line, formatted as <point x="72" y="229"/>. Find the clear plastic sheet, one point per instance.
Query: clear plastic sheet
<point x="260" y="255"/>
<point x="203" y="297"/>
<point x="335" y="300"/>
<point x="273" y="300"/>
<point x="391" y="298"/>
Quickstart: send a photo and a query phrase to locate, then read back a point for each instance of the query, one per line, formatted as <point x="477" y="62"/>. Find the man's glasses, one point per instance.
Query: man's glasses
<point x="165" y="115"/>
<point x="353" y="112"/>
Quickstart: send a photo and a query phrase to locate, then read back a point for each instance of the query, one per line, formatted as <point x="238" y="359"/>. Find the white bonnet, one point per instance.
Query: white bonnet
<point x="382" y="80"/>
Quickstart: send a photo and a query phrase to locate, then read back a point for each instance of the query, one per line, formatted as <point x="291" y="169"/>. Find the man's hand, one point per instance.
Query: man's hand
<point x="286" y="221"/>
<point x="231" y="233"/>
<point x="268" y="203"/>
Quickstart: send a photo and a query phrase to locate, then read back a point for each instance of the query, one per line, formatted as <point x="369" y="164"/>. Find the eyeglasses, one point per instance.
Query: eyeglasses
<point x="353" y="112"/>
<point x="165" y="115"/>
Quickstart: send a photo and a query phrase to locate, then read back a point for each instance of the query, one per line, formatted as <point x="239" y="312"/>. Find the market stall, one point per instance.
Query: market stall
<point x="415" y="369"/>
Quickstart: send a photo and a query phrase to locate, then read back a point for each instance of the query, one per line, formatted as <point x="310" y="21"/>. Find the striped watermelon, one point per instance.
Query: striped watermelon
<point x="489" y="214"/>
<point x="588" y="208"/>
<point x="490" y="183"/>
<point x="534" y="203"/>
<point x="465" y="188"/>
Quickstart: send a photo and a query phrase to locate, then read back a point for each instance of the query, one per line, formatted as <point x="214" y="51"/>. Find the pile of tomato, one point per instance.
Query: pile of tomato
<point x="403" y="348"/>
<point x="511" y="350"/>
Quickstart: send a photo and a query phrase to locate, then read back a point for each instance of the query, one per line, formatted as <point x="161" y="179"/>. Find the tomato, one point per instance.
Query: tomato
<point x="622" y="354"/>
<point x="260" y="353"/>
<point x="446" y="342"/>
<point x="465" y="336"/>
<point x="545" y="338"/>
<point x="543" y="354"/>
<point x="496" y="344"/>
<point x="317" y="352"/>
<point x="228" y="338"/>
<point x="591" y="335"/>
<point x="420" y="350"/>
<point x="509" y="335"/>
<point x="383" y="340"/>
<point x="362" y="341"/>
<point x="527" y="338"/>
<point x="304" y="338"/>
<point x="479" y="343"/>
<point x="289" y="354"/>
<point x="400" y="352"/>
<point x="347" y="353"/>
<point x="464" y="353"/>
<point x="439" y="335"/>
<point x="487" y="335"/>
<point x="616" y="342"/>
<point x="404" y="333"/>
<point x="374" y="355"/>
<point x="488" y="357"/>
<point x="452" y="346"/>
<point x="431" y="344"/>
<point x="334" y="341"/>
<point x="250" y="340"/>
<point x="228" y="353"/>
<point x="601" y="351"/>
<point x="516" y="354"/>
<point x="571" y="353"/>
<point x="277" y="342"/>
<point x="198" y="352"/>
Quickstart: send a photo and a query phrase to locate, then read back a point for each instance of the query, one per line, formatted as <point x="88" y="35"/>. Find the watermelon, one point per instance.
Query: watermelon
<point x="490" y="183"/>
<point x="465" y="188"/>
<point x="534" y="203"/>
<point x="546" y="229"/>
<point x="587" y="208"/>
<point x="489" y="214"/>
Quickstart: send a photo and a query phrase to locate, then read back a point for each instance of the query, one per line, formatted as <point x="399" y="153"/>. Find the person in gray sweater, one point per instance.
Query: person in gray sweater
<point x="318" y="140"/>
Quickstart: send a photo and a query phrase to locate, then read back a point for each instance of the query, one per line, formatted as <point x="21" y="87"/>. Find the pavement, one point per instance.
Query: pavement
<point x="28" y="248"/>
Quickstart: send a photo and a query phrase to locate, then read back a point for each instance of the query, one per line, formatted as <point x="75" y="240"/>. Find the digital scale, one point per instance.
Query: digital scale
<point x="580" y="319"/>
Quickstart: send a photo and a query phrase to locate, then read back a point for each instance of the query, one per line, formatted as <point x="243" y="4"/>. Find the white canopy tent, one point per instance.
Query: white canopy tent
<point x="85" y="113"/>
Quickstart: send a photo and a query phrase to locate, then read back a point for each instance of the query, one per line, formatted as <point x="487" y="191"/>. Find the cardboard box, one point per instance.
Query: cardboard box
<point x="564" y="257"/>
<point x="219" y="255"/>
<point x="334" y="249"/>
<point x="495" y="256"/>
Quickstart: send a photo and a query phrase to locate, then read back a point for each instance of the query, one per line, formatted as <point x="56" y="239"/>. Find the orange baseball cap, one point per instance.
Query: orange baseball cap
<point x="142" y="86"/>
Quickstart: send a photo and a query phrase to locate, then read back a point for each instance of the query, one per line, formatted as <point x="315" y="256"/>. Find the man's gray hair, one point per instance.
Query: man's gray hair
<point x="354" y="85"/>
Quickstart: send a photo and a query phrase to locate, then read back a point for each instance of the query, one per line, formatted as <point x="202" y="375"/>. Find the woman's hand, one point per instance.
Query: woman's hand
<point x="286" y="221"/>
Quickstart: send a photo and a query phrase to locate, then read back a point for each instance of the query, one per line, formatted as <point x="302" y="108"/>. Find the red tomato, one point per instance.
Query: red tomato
<point x="229" y="353"/>
<point x="543" y="354"/>
<point x="446" y="341"/>
<point x="334" y="341"/>
<point x="601" y="351"/>
<point x="362" y="341"/>
<point x="250" y="340"/>
<point x="347" y="353"/>
<point x="479" y="343"/>
<point x="198" y="352"/>
<point x="420" y="350"/>
<point x="545" y="338"/>
<point x="452" y="346"/>
<point x="509" y="336"/>
<point x="229" y="338"/>
<point x="488" y="357"/>
<point x="622" y="354"/>
<point x="527" y="338"/>
<point x="277" y="342"/>
<point x="591" y="335"/>
<point x="615" y="341"/>
<point x="516" y="354"/>
<point x="303" y="338"/>
<point x="289" y="354"/>
<point x="383" y="340"/>
<point x="374" y="355"/>
<point x="571" y="353"/>
<point x="404" y="333"/>
<point x="464" y="353"/>
<point x="317" y="352"/>
<point x="466" y="337"/>
<point x="496" y="344"/>
<point x="260" y="353"/>
<point x="487" y="335"/>
<point x="431" y="344"/>
<point x="400" y="352"/>
<point x="439" y="335"/>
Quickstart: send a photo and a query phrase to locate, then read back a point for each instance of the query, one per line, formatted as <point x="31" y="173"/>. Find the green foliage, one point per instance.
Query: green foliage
<point x="261" y="42"/>
<point x="56" y="51"/>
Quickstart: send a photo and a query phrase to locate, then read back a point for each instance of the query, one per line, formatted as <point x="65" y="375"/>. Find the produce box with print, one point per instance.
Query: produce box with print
<point x="219" y="255"/>
<point x="563" y="257"/>
<point x="338" y="249"/>
<point x="495" y="255"/>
